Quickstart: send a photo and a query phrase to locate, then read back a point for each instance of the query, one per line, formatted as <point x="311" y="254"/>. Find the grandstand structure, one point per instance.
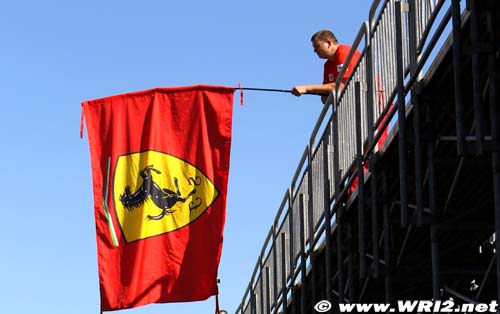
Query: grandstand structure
<point x="397" y="194"/>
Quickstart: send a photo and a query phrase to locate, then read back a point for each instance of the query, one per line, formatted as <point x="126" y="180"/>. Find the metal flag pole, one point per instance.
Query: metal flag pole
<point x="274" y="90"/>
<point x="265" y="89"/>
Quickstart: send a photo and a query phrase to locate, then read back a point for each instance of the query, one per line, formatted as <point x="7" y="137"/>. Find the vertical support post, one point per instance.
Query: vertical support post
<point x="253" y="302"/>
<point x="292" y="249"/>
<point x="457" y="76"/>
<point x="262" y="281"/>
<point x="419" y="194"/>
<point x="284" y="274"/>
<point x="303" y="269"/>
<point x="412" y="35"/>
<point x="340" y="256"/>
<point x="267" y="304"/>
<point x="433" y="207"/>
<point x="275" y="267"/>
<point x="374" y="192"/>
<point x="371" y="103"/>
<point x="350" y="263"/>
<point x="361" y="183"/>
<point x="370" y="99"/>
<point x="340" y="211"/>
<point x="496" y="187"/>
<point x="370" y="107"/>
<point x="328" y="221"/>
<point x="476" y="75"/>
<point x="310" y="221"/>
<point x="495" y="132"/>
<point x="340" y="259"/>
<point x="387" y="238"/>
<point x="419" y="189"/>
<point x="403" y="168"/>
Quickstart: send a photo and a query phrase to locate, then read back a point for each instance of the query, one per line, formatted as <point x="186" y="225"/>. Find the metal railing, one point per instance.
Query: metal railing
<point x="394" y="46"/>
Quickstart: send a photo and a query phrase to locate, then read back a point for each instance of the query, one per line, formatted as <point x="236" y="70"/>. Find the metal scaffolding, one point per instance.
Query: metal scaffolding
<point x="397" y="194"/>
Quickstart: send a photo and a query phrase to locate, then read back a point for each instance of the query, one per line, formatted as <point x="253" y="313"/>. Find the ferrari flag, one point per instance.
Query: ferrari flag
<point x="160" y="162"/>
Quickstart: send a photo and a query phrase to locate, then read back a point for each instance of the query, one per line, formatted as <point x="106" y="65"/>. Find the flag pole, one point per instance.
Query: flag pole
<point x="275" y="90"/>
<point x="265" y="89"/>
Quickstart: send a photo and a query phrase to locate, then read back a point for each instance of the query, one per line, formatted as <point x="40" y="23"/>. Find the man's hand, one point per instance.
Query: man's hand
<point x="299" y="90"/>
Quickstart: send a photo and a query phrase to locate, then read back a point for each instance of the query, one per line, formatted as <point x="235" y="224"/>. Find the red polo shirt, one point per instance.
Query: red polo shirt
<point x="333" y="67"/>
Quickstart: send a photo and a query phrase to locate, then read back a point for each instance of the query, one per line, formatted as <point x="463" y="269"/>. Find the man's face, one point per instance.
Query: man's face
<point x="322" y="48"/>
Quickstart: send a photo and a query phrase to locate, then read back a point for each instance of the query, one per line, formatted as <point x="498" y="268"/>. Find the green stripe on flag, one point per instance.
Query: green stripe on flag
<point x="105" y="206"/>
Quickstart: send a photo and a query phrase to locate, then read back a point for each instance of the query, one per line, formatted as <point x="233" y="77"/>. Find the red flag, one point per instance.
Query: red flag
<point x="160" y="161"/>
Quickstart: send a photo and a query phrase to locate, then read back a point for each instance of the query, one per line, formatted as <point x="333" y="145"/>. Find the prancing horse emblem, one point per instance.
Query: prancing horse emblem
<point x="161" y="197"/>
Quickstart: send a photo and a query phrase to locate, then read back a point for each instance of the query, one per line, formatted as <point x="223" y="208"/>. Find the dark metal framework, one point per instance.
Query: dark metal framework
<point x="412" y="216"/>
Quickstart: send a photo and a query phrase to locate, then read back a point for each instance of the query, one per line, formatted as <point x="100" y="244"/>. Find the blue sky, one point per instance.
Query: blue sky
<point x="56" y="54"/>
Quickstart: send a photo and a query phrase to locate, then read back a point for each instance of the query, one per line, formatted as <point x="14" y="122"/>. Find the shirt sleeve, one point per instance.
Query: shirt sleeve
<point x="329" y="74"/>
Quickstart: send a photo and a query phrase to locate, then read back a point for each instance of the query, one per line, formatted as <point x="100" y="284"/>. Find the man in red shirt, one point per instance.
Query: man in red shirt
<point x="327" y="47"/>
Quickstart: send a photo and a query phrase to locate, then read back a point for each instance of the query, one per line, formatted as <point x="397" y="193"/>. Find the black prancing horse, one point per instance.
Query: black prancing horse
<point x="162" y="198"/>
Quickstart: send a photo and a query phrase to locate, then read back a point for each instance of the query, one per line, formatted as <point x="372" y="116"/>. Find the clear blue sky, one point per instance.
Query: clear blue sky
<point x="56" y="54"/>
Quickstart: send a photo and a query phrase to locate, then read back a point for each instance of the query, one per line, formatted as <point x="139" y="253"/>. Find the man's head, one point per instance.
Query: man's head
<point x="324" y="43"/>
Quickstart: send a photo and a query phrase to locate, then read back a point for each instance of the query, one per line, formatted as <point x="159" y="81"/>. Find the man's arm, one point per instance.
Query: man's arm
<point x="324" y="89"/>
<point x="313" y="89"/>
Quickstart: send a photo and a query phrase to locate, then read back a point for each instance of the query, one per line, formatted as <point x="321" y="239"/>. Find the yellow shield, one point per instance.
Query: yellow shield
<point x="155" y="193"/>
